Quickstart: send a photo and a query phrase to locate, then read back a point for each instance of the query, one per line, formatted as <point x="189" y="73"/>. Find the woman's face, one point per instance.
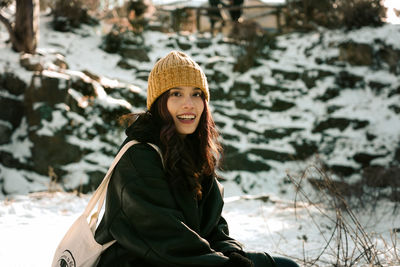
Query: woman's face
<point x="185" y="104"/>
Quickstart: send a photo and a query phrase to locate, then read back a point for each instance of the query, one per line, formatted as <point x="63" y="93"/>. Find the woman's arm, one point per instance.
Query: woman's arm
<point x="221" y="241"/>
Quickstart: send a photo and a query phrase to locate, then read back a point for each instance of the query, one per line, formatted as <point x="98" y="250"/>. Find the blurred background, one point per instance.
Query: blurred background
<point x="305" y="93"/>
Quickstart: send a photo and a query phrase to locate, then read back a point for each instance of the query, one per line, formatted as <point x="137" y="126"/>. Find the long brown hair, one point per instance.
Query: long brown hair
<point x="193" y="158"/>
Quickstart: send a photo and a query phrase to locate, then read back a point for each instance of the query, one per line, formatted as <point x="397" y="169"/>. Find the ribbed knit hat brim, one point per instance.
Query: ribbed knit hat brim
<point x="174" y="70"/>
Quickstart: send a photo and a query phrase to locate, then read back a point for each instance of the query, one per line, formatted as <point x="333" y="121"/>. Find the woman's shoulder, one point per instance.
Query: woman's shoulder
<point x="143" y="155"/>
<point x="139" y="163"/>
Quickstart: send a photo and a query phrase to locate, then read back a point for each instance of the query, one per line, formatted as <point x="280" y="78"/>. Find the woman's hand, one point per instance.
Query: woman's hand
<point x="237" y="260"/>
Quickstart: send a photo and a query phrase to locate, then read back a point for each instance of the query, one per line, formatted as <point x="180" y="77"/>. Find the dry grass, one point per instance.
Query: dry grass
<point x="347" y="242"/>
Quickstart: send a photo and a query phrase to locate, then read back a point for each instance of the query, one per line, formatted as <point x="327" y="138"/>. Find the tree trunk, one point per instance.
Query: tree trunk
<point x="26" y="27"/>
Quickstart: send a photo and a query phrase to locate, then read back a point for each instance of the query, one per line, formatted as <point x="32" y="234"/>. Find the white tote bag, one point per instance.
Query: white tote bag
<point x="78" y="248"/>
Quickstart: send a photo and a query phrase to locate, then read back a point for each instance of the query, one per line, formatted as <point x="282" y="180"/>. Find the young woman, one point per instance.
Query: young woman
<point x="167" y="211"/>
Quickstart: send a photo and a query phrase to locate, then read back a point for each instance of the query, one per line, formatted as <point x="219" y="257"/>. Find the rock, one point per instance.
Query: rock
<point x="61" y="24"/>
<point x="31" y="62"/>
<point x="203" y="43"/>
<point x="365" y="158"/>
<point x="48" y="86"/>
<point x="42" y="111"/>
<point x="14" y="182"/>
<point x="142" y="75"/>
<point x="327" y="60"/>
<point x="226" y="136"/>
<point x="60" y="62"/>
<point x="348" y="80"/>
<point x="12" y="83"/>
<point x="243" y="129"/>
<point x="5" y="132"/>
<point x="378" y="86"/>
<point x="132" y="39"/>
<point x="95" y="178"/>
<point x="234" y="160"/>
<point x="248" y="104"/>
<point x="391" y="57"/>
<point x="82" y="83"/>
<point x="278" y="133"/>
<point x="397" y="154"/>
<point x="394" y="92"/>
<point x="9" y="161"/>
<point x="46" y="91"/>
<point x="111" y="115"/>
<point x="240" y="117"/>
<point x="356" y="53"/>
<point x="329" y="94"/>
<point x="279" y="105"/>
<point x="264" y="88"/>
<point x="309" y="77"/>
<point x="339" y="123"/>
<point x="219" y="77"/>
<point x="52" y="151"/>
<point x="272" y="155"/>
<point x="218" y="93"/>
<point x="286" y="75"/>
<point x="112" y="41"/>
<point x="304" y="149"/>
<point x="124" y="64"/>
<point x="239" y="90"/>
<point x="395" y="108"/>
<point x="245" y="62"/>
<point x="342" y="170"/>
<point x="359" y="124"/>
<point x="133" y="52"/>
<point x="12" y="110"/>
<point x="183" y="45"/>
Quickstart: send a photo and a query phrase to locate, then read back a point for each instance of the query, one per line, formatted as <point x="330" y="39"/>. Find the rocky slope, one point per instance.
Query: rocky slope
<point x="329" y="96"/>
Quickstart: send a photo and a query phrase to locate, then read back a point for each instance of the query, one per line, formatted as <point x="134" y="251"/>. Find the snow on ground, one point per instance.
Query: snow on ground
<point x="33" y="225"/>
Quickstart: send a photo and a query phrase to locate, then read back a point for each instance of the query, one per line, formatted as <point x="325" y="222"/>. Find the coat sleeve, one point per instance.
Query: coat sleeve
<point x="221" y="241"/>
<point x="219" y="236"/>
<point x="149" y="214"/>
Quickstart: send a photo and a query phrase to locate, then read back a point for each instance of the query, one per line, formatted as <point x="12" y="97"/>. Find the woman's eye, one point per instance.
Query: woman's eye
<point x="175" y="94"/>
<point x="197" y="94"/>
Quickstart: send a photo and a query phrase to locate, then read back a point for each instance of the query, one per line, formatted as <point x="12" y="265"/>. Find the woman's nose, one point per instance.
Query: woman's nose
<point x="188" y="102"/>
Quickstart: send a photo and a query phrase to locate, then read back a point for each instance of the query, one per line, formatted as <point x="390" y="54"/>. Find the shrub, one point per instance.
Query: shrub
<point x="351" y="14"/>
<point x="360" y="13"/>
<point x="70" y="14"/>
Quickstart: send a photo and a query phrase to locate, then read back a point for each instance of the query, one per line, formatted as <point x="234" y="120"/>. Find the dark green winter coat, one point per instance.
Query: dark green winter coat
<point x="156" y="224"/>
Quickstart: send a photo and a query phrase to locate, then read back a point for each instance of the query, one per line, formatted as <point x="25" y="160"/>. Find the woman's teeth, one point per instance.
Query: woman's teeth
<point x="186" y="117"/>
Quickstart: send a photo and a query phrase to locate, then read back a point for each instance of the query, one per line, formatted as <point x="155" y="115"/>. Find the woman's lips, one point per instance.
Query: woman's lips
<point x="186" y="118"/>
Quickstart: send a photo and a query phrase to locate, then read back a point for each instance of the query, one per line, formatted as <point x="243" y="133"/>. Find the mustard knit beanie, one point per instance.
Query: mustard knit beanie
<point x="174" y="70"/>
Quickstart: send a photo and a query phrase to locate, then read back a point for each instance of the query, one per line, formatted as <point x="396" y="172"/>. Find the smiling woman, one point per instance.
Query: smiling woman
<point x="167" y="211"/>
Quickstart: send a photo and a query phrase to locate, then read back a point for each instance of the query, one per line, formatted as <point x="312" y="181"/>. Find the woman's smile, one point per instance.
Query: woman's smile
<point x="187" y="118"/>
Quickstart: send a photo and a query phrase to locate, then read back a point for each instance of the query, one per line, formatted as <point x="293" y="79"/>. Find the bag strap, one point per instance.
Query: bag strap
<point x="99" y="195"/>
